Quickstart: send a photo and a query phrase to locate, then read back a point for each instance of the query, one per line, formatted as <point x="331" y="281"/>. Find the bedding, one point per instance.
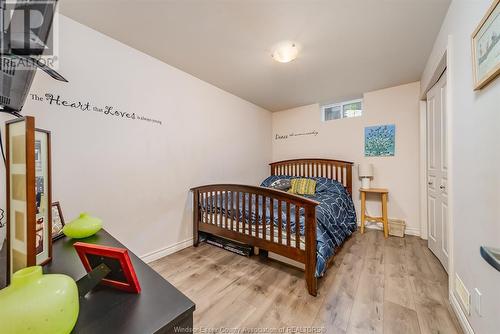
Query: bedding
<point x="335" y="218"/>
<point x="335" y="215"/>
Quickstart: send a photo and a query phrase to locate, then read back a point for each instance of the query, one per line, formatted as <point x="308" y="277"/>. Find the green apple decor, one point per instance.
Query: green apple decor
<point x="82" y="227"/>
<point x="36" y="303"/>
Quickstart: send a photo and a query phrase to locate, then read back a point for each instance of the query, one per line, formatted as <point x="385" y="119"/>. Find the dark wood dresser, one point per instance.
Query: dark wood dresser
<point x="159" y="308"/>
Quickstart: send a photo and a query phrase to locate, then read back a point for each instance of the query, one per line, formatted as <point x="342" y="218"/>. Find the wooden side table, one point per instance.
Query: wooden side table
<point x="364" y="217"/>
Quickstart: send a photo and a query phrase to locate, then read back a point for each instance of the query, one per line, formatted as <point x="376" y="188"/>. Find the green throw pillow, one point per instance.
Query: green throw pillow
<point x="303" y="187"/>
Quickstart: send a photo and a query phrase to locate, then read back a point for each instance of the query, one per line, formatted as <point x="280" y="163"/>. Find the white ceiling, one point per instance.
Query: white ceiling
<point x="348" y="46"/>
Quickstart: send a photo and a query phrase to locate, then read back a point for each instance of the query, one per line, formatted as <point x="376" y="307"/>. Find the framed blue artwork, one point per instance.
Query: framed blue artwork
<point x="380" y="140"/>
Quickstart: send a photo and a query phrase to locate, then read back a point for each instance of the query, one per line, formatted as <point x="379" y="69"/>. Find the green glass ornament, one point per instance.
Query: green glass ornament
<point x="37" y="303"/>
<point x="82" y="227"/>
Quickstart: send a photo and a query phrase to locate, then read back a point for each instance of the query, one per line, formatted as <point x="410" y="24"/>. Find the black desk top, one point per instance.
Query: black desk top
<point x="107" y="310"/>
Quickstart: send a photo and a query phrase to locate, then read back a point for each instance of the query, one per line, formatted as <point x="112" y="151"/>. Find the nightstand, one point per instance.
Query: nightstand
<point x="384" y="193"/>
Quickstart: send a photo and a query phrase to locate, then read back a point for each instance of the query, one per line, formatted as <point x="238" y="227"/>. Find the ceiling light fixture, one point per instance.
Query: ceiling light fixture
<point x="285" y="52"/>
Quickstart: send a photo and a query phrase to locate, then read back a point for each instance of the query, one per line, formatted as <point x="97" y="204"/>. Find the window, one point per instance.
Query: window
<point x="346" y="109"/>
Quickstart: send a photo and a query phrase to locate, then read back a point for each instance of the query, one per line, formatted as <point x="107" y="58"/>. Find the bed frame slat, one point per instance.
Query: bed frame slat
<point x="264" y="217"/>
<point x="214" y="208"/>
<point x="297" y="226"/>
<point x="288" y="223"/>
<point x="280" y="222"/>
<point x="271" y="207"/>
<point x="237" y="211"/>
<point x="250" y="209"/>
<point x="256" y="222"/>
<point x="218" y="208"/>
<point x="243" y="206"/>
<point x="227" y="209"/>
<point x="210" y="198"/>
<point x="233" y="212"/>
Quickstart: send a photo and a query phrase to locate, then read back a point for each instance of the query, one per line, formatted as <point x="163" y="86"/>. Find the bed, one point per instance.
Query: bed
<point x="307" y="229"/>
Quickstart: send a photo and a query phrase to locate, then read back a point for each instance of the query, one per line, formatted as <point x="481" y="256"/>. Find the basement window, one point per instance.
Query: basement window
<point x="347" y="109"/>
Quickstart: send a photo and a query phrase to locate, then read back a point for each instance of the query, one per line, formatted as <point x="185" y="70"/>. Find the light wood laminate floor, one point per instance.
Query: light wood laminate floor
<point x="375" y="285"/>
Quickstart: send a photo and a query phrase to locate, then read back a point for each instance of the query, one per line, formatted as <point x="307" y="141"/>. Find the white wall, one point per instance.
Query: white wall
<point x="475" y="126"/>
<point x="136" y="175"/>
<point x="344" y="140"/>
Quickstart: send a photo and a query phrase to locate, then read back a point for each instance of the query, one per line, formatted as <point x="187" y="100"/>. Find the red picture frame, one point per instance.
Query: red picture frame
<point x="122" y="272"/>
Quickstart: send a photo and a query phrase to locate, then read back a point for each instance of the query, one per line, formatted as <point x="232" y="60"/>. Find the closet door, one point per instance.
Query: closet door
<point x="437" y="171"/>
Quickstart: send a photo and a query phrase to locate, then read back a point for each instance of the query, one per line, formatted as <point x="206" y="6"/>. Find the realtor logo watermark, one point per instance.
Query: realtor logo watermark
<point x="30" y="33"/>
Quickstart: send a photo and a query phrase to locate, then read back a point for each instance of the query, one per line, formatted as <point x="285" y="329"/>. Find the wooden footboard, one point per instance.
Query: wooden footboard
<point x="221" y="209"/>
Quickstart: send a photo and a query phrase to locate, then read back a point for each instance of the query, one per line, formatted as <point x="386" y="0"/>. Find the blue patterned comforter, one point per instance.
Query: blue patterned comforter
<point x="335" y="215"/>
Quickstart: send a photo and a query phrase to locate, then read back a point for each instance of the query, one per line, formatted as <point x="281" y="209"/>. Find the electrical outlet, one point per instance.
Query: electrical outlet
<point x="477" y="301"/>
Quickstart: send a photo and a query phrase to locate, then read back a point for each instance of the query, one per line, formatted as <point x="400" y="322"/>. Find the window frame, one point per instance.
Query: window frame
<point x="341" y="105"/>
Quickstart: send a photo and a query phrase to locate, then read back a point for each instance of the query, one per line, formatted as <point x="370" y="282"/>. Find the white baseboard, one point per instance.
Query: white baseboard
<point x="462" y="319"/>
<point x="158" y="254"/>
<point x="286" y="260"/>
<point x="412" y="231"/>
<point x="408" y="230"/>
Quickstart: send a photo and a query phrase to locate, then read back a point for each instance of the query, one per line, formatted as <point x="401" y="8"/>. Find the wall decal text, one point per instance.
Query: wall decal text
<point x="86" y="106"/>
<point x="295" y="134"/>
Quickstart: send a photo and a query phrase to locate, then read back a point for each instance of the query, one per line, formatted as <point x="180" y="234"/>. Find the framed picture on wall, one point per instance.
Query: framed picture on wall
<point x="29" y="240"/>
<point x="57" y="221"/>
<point x="486" y="47"/>
<point x="380" y="140"/>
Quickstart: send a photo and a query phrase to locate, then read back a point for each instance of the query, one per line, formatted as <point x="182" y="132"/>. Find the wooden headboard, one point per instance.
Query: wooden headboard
<point x="338" y="170"/>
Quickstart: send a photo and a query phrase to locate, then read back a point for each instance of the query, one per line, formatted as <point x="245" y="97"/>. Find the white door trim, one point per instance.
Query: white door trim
<point x="451" y="197"/>
<point x="423" y="171"/>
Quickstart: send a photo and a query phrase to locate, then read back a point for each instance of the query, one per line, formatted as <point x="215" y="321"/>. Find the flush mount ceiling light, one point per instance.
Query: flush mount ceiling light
<point x="285" y="52"/>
